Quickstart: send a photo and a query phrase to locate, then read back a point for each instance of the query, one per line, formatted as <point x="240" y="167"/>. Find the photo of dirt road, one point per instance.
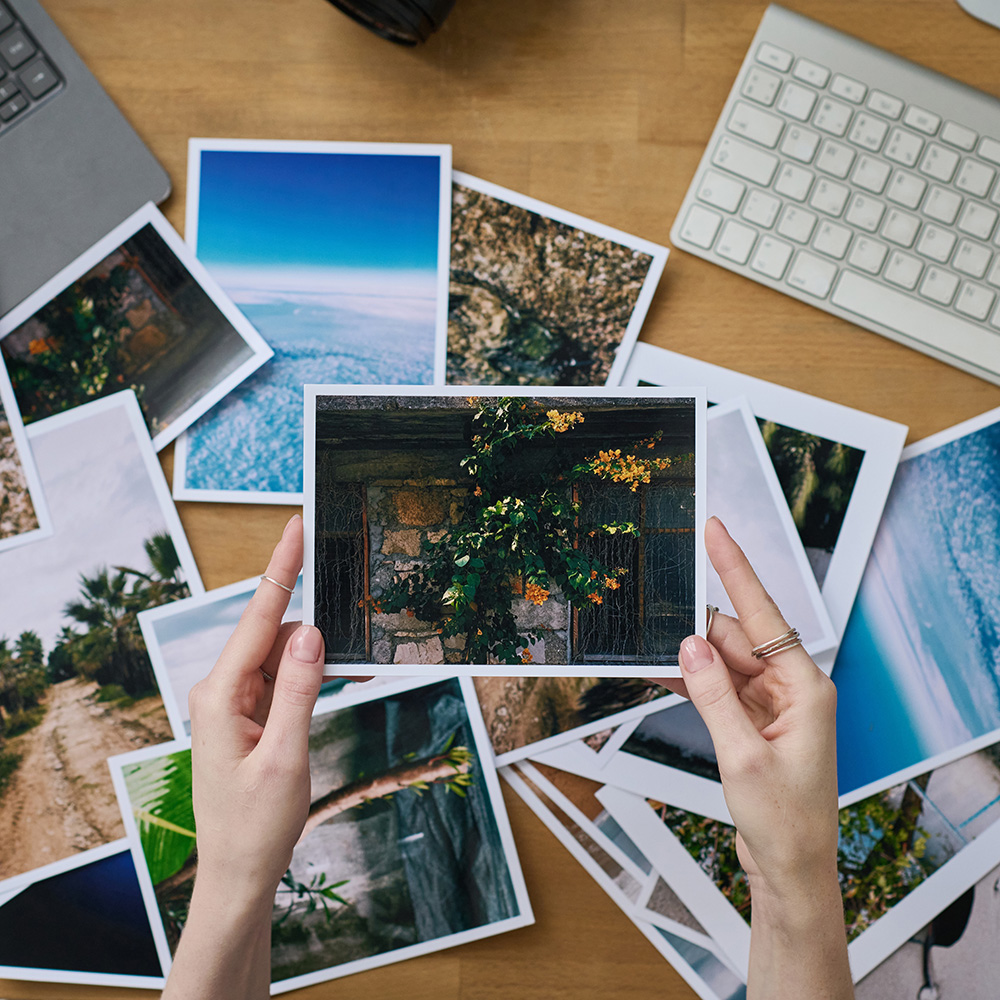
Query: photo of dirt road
<point x="62" y="786"/>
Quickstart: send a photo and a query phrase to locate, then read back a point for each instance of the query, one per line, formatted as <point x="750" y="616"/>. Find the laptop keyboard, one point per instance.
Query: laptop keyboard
<point x="27" y="75"/>
<point x="862" y="184"/>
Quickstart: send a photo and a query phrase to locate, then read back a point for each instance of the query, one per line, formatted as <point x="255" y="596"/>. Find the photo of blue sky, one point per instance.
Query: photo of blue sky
<point x="918" y="672"/>
<point x="333" y="256"/>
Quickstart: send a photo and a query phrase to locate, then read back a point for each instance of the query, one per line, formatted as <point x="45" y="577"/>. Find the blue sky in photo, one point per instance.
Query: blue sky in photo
<point x="918" y="671"/>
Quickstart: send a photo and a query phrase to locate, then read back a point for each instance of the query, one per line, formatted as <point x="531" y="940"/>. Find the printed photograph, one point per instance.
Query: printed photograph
<point x="504" y="534"/>
<point x="835" y="464"/>
<point x="539" y="296"/>
<point x="135" y="312"/>
<point x="76" y="683"/>
<point x="24" y="515"/>
<point x="406" y="848"/>
<point x="338" y="255"/>
<point x="918" y="672"/>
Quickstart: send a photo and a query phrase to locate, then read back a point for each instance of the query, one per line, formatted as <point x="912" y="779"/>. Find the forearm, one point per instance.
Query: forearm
<point x="799" y="949"/>
<point x="225" y="950"/>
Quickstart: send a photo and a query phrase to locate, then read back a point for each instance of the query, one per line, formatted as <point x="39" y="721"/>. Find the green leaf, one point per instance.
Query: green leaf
<point x="462" y="560"/>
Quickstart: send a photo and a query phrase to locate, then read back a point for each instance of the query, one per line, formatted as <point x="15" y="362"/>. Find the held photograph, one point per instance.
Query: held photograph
<point x="76" y="684"/>
<point x="136" y="311"/>
<point x="512" y="533"/>
<point x="541" y="296"/>
<point x="406" y="849"/>
<point x="337" y="252"/>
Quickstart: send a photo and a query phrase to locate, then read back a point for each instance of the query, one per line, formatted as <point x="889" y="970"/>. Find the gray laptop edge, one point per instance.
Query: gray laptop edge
<point x="71" y="167"/>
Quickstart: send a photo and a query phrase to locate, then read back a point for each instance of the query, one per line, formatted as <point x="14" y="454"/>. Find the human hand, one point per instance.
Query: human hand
<point x="772" y="722"/>
<point x="250" y="738"/>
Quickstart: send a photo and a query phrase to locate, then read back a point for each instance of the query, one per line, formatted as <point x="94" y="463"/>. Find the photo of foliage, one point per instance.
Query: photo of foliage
<point x="401" y="847"/>
<point x="17" y="512"/>
<point x="136" y="320"/>
<point x="504" y="530"/>
<point x="532" y="300"/>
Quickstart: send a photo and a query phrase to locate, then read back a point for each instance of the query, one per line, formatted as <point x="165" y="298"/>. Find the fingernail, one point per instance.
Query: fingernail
<point x="715" y="517"/>
<point x="695" y="653"/>
<point x="306" y="644"/>
<point x="292" y="520"/>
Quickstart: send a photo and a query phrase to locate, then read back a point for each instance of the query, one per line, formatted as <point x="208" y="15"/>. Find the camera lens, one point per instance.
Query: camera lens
<point x="405" y="22"/>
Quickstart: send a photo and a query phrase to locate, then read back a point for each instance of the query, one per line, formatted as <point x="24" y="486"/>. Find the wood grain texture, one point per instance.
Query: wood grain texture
<point x="602" y="107"/>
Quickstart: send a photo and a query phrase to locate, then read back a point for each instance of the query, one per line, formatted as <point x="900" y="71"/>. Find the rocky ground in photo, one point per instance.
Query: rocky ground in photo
<point x="17" y="513"/>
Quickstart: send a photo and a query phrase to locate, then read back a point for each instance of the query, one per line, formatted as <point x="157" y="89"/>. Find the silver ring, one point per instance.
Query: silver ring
<point x="712" y="612"/>
<point x="267" y="676"/>
<point x="264" y="576"/>
<point x="785" y="641"/>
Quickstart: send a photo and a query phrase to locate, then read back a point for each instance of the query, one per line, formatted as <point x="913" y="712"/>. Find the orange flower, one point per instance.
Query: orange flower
<point x="593" y="574"/>
<point x="526" y="656"/>
<point x="595" y="598"/>
<point x="562" y="422"/>
<point x="478" y="491"/>
<point x="611" y="583"/>
<point x="39" y="346"/>
<point x="536" y="594"/>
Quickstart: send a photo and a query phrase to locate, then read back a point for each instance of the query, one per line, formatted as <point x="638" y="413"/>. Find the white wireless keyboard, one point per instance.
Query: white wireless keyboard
<point x="861" y="183"/>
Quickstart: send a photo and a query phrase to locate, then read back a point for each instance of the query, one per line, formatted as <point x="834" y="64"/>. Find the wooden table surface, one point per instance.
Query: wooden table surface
<point x="602" y="107"/>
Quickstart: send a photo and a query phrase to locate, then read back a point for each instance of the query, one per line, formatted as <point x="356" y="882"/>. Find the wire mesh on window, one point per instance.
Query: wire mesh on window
<point x="341" y="559"/>
<point x="652" y="610"/>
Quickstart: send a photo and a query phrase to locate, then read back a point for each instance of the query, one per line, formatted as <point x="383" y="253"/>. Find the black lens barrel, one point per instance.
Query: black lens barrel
<point x="405" y="22"/>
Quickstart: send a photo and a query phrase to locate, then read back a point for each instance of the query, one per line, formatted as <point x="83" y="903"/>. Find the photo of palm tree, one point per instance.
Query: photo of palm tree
<point x="76" y="684"/>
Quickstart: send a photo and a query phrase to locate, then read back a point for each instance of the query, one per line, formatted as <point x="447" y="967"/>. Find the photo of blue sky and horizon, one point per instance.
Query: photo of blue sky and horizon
<point x="335" y="255"/>
<point x="918" y="672"/>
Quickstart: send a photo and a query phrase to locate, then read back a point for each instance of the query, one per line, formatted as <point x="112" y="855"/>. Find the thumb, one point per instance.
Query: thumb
<point x="711" y="690"/>
<point x="296" y="686"/>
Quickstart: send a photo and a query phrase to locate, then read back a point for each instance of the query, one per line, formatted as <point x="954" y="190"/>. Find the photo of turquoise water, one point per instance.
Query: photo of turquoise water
<point x="333" y="256"/>
<point x="918" y="671"/>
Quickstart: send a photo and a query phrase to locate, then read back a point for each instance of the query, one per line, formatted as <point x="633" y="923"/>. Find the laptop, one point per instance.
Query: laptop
<point x="71" y="167"/>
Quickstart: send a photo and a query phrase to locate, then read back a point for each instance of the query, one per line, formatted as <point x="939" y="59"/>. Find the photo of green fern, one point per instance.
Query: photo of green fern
<point x="402" y="847"/>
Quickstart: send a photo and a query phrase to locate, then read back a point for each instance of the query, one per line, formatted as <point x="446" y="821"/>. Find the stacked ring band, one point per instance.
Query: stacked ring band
<point x="785" y="641"/>
<point x="264" y="576"/>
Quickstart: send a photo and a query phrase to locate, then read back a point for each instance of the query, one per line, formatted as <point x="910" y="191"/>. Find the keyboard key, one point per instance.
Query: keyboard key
<point x="922" y="120"/>
<point x="736" y="242"/>
<point x="939" y="162"/>
<point x="809" y="72"/>
<point x="977" y="220"/>
<point x="38" y="78"/>
<point x="15" y="48"/>
<point x="975" y="178"/>
<point x="796" y="224"/>
<point x="868" y="131"/>
<point x="994" y="276"/>
<point x="936" y="243"/>
<point x="829" y="197"/>
<point x="832" y="240"/>
<point x="942" y="205"/>
<point x="904" y="147"/>
<point x="906" y="189"/>
<point x="939" y="286"/>
<point x="760" y="126"/>
<point x="871" y="174"/>
<point x="903" y="270"/>
<point x="771" y="55"/>
<point x="868" y="254"/>
<point x="900" y="227"/>
<point x="721" y="191"/>
<point x="700" y="226"/>
<point x="771" y="257"/>
<point x="13" y="107"/>
<point x="793" y="182"/>
<point x="975" y="301"/>
<point x="958" y="135"/>
<point x="885" y="104"/>
<point x="748" y="161"/>
<point x="865" y="212"/>
<point x="761" y="209"/>
<point x="832" y="116"/>
<point x="972" y="259"/>
<point x="5" y="19"/>
<point x="8" y="88"/>
<point x="850" y="90"/>
<point x="812" y="274"/>
<point x="989" y="149"/>
<point x="761" y="86"/>
<point x="835" y="158"/>
<point x="800" y="143"/>
<point x="913" y="318"/>
<point x="796" y="102"/>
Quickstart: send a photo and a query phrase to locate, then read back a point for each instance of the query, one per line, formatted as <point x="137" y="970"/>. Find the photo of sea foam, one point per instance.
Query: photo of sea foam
<point x="253" y="439"/>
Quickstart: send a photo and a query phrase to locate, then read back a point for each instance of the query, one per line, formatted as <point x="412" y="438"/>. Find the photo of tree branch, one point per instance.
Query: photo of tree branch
<point x="401" y="845"/>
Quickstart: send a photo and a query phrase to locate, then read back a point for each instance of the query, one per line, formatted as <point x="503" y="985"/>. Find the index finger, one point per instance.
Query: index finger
<point x="251" y="642"/>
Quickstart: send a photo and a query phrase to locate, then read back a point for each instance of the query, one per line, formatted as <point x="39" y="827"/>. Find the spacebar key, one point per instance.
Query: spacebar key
<point x="940" y="330"/>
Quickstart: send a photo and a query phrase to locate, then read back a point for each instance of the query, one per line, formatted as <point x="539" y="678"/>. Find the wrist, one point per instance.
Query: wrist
<point x="797" y="902"/>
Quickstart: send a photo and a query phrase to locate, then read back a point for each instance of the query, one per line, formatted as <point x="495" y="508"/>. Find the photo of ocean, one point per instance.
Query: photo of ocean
<point x="918" y="671"/>
<point x="334" y="253"/>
